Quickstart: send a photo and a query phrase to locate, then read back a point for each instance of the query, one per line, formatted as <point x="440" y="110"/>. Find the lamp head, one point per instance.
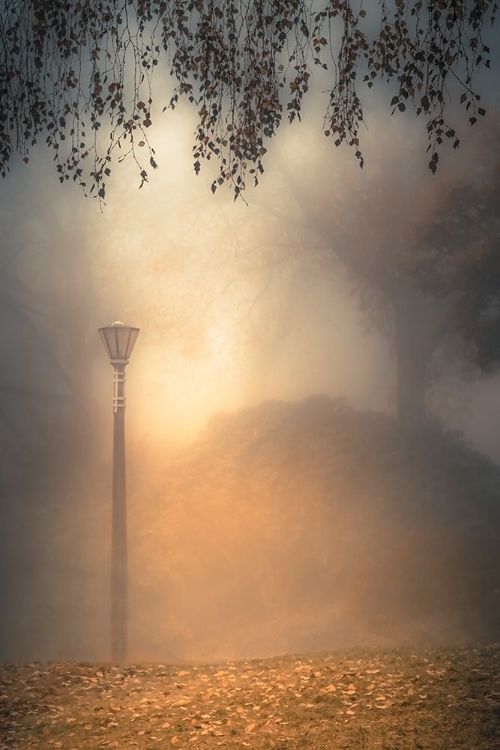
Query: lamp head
<point x="119" y="340"/>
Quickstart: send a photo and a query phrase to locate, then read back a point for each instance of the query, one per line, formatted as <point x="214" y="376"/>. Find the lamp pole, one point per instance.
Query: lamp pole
<point x="119" y="341"/>
<point x="119" y="567"/>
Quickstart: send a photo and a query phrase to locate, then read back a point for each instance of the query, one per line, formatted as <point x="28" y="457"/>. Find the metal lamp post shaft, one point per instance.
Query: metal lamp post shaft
<point x="119" y="340"/>
<point x="119" y="583"/>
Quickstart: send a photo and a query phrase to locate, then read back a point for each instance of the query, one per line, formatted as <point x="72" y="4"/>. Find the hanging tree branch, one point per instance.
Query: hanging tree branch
<point x="79" y="74"/>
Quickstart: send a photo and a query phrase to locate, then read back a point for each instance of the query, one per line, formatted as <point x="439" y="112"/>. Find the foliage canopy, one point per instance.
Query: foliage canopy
<point x="79" y="73"/>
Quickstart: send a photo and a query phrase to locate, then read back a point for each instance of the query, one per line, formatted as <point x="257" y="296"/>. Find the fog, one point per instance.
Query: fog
<point x="239" y="304"/>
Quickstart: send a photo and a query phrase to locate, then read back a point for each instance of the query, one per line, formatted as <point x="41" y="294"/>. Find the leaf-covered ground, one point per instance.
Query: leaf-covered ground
<point x="395" y="700"/>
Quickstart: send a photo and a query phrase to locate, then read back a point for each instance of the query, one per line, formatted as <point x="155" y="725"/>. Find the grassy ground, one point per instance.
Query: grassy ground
<point x="441" y="699"/>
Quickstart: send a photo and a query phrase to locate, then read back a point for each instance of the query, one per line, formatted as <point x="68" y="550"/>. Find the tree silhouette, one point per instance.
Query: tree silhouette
<point x="458" y="258"/>
<point x="419" y="252"/>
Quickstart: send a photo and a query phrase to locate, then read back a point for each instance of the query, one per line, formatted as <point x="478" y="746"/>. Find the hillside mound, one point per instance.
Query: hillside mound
<point x="309" y="525"/>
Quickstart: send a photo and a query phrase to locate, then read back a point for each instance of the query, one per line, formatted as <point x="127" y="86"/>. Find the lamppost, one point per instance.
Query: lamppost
<point x="119" y="340"/>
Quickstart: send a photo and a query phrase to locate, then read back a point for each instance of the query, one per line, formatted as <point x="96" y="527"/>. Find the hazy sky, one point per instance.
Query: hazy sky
<point x="235" y="302"/>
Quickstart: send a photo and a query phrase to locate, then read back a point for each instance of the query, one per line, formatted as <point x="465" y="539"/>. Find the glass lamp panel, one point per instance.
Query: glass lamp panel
<point x="106" y="336"/>
<point x="126" y="338"/>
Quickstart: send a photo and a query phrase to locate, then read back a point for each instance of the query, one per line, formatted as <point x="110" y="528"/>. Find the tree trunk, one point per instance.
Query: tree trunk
<point x="411" y="381"/>
<point x="417" y="323"/>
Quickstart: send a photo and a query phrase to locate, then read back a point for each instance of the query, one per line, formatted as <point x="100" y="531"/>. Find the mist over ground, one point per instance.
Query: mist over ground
<point x="234" y="555"/>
